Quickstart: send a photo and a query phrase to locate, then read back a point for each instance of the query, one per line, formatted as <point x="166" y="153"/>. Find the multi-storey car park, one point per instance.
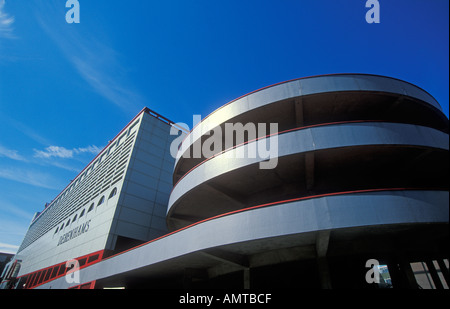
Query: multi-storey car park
<point x="361" y="175"/>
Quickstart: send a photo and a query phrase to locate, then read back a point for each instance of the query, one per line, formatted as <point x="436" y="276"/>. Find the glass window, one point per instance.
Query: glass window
<point x="113" y="193"/>
<point x="102" y="200"/>
<point x="91" y="207"/>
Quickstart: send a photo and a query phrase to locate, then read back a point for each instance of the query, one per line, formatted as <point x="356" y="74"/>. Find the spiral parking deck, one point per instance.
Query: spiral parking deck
<point x="337" y="133"/>
<point x="360" y="174"/>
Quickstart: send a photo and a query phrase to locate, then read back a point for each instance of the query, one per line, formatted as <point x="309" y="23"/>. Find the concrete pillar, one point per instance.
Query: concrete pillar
<point x="322" y="240"/>
<point x="309" y="171"/>
<point x="324" y="273"/>
<point x="299" y="119"/>
<point x="246" y="278"/>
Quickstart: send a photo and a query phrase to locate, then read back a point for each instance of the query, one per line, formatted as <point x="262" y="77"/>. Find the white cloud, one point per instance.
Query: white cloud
<point x="96" y="61"/>
<point x="89" y="149"/>
<point x="14" y="222"/>
<point x="29" y="177"/>
<point x="61" y="152"/>
<point x="6" y="22"/>
<point x="7" y="248"/>
<point x="24" y="129"/>
<point x="104" y="82"/>
<point x="53" y="151"/>
<point x="3" y="245"/>
<point x="14" y="210"/>
<point x="11" y="154"/>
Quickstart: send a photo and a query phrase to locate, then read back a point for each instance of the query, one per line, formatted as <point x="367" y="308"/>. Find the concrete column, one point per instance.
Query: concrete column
<point x="309" y="171"/>
<point x="299" y="120"/>
<point x="246" y="278"/>
<point x="322" y="241"/>
<point x="324" y="273"/>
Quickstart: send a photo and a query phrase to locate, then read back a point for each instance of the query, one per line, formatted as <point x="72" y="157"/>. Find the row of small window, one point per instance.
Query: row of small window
<point x="101" y="158"/>
<point x="100" y="202"/>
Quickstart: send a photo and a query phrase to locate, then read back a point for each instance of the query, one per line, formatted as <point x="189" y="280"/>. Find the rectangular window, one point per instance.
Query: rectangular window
<point x="54" y="272"/>
<point x="41" y="277"/>
<point x="424" y="275"/>
<point x="82" y="261"/>
<point x="62" y="269"/>
<point x="33" y="280"/>
<point x="47" y="275"/>
<point x="93" y="258"/>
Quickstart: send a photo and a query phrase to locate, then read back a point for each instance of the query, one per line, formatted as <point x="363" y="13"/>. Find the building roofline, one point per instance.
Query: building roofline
<point x="144" y="110"/>
<point x="313" y="76"/>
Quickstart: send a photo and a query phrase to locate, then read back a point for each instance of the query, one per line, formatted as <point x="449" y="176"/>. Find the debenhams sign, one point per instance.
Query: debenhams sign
<point x="81" y="229"/>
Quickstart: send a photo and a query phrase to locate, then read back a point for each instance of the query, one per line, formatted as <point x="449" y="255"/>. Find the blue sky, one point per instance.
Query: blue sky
<point x="67" y="89"/>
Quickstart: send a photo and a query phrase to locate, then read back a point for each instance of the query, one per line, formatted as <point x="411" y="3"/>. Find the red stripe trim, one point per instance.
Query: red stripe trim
<point x="269" y="204"/>
<point x="306" y="77"/>
<point x="45" y="275"/>
<point x="84" y="286"/>
<point x="144" y="110"/>
<point x="33" y="276"/>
